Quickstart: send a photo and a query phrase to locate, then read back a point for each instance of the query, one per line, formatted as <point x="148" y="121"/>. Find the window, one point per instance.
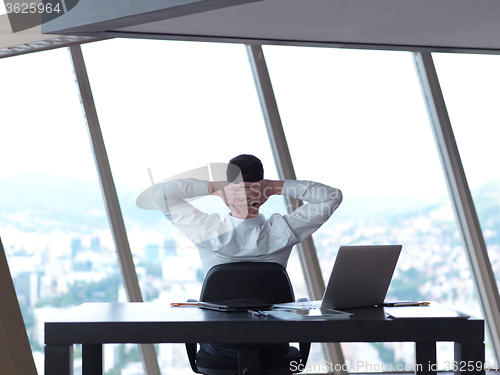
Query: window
<point x="475" y="119"/>
<point x="52" y="219"/>
<point x="172" y="108"/>
<point x="355" y="120"/>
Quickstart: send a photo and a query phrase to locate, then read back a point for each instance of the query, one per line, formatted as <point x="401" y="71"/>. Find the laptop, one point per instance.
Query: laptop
<point x="360" y="278"/>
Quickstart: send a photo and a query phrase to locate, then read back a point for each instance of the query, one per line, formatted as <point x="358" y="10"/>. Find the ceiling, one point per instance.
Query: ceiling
<point x="415" y="25"/>
<point x="31" y="40"/>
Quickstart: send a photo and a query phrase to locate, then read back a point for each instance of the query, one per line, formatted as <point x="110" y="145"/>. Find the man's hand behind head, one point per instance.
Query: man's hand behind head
<point x="245" y="198"/>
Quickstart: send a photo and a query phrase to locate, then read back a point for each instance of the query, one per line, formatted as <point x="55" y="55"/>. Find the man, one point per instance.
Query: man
<point x="245" y="235"/>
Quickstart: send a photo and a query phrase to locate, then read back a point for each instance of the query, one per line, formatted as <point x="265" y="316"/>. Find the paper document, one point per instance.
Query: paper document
<point x="432" y="311"/>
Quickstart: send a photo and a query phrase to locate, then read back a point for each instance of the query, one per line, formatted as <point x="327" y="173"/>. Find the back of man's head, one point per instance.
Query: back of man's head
<point x="249" y="166"/>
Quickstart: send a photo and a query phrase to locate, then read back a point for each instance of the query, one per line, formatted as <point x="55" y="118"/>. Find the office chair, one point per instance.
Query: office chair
<point x="256" y="281"/>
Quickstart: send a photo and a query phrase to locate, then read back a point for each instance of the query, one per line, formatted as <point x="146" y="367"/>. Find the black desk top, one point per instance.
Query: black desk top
<point x="157" y="323"/>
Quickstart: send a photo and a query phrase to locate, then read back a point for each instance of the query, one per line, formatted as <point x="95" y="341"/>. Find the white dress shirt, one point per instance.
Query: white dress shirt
<point x="228" y="239"/>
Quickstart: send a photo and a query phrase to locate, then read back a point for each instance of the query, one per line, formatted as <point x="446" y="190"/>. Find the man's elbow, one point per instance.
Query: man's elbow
<point x="335" y="201"/>
<point x="336" y="197"/>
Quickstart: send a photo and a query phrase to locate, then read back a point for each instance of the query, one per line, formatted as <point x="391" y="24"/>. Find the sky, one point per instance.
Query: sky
<point x="353" y="119"/>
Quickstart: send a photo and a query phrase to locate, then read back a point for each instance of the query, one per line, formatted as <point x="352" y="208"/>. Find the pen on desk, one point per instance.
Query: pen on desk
<point x="178" y="304"/>
<point x="402" y="304"/>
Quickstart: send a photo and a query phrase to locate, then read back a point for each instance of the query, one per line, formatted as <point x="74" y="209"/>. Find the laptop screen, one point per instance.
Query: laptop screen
<point x="361" y="276"/>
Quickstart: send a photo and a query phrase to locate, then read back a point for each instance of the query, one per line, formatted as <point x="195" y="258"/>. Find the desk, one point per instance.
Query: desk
<point x="94" y="324"/>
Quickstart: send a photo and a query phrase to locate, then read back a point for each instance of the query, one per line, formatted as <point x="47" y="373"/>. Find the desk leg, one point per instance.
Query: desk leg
<point x="58" y="359"/>
<point x="469" y="357"/>
<point x="92" y="359"/>
<point x="425" y="358"/>
<point x="249" y="360"/>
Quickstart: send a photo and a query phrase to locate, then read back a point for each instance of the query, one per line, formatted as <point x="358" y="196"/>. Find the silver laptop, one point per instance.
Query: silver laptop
<point x="361" y="276"/>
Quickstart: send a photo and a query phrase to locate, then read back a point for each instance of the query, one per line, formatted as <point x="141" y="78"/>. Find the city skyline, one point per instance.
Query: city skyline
<point x="427" y="276"/>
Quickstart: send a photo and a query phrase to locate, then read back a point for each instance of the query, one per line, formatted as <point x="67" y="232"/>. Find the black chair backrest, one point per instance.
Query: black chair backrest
<point x="259" y="281"/>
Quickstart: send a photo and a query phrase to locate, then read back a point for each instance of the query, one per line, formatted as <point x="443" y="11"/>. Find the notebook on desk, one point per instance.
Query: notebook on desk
<point x="360" y="278"/>
<point x="433" y="310"/>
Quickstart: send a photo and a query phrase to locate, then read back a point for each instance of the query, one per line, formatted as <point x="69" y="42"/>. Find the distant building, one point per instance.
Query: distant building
<point x="76" y="246"/>
<point x="95" y="243"/>
<point x="82" y="266"/>
<point x="170" y="247"/>
<point x="156" y="253"/>
<point x="26" y="285"/>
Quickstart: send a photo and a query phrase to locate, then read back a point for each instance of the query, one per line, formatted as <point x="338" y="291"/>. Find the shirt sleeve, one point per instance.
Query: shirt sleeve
<point x="320" y="202"/>
<point x="171" y="198"/>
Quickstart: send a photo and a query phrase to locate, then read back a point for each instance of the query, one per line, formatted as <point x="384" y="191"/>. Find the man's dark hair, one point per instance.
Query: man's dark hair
<point x="250" y="166"/>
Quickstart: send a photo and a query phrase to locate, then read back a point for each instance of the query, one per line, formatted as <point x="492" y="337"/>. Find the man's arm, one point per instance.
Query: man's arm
<point x="271" y="187"/>
<point x="320" y="200"/>
<point x="167" y="194"/>
<point x="235" y="196"/>
<point x="170" y="197"/>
